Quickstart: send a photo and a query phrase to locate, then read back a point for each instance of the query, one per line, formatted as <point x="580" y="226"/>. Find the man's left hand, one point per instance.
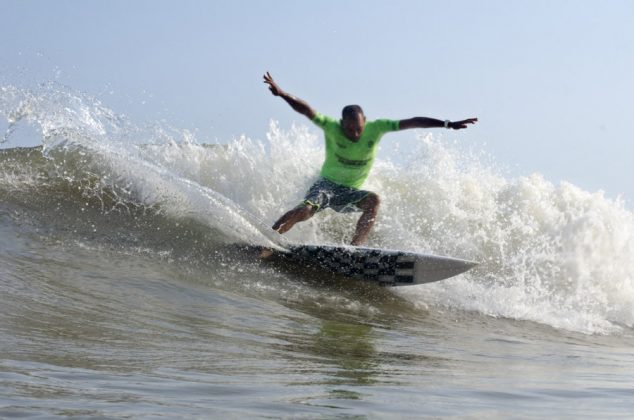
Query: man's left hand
<point x="457" y="125"/>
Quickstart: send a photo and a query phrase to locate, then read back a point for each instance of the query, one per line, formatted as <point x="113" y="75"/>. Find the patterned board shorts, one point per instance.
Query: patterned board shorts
<point x="325" y="194"/>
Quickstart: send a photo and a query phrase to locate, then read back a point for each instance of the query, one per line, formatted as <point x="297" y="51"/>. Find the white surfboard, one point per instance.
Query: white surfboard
<point x="385" y="267"/>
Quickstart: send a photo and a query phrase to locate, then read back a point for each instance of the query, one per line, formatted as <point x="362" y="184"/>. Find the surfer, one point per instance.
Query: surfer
<point x="351" y="146"/>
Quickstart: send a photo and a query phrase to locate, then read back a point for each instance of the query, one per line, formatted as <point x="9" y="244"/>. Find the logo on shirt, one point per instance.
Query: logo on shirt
<point x="349" y="162"/>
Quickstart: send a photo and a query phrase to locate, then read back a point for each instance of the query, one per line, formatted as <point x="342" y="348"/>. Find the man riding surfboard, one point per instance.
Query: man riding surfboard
<point x="351" y="146"/>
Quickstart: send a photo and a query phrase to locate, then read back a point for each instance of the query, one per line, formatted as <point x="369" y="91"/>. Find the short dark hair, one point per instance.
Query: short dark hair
<point x="350" y="111"/>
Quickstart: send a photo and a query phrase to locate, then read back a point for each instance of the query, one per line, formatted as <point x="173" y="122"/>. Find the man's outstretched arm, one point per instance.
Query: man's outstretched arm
<point x="424" y="122"/>
<point x="295" y="103"/>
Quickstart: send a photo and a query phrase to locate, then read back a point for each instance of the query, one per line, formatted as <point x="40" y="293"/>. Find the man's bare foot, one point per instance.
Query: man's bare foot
<point x="265" y="253"/>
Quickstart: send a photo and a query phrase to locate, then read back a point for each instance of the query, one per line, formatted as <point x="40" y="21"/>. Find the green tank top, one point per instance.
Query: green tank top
<point x="348" y="163"/>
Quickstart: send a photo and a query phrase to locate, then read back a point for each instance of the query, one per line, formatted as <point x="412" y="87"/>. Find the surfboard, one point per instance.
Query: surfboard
<point x="385" y="267"/>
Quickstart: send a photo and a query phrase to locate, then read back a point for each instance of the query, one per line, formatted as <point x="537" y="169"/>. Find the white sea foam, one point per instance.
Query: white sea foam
<point x="554" y="254"/>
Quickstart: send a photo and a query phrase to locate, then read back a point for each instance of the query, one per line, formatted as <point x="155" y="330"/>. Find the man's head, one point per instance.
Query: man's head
<point x="352" y="121"/>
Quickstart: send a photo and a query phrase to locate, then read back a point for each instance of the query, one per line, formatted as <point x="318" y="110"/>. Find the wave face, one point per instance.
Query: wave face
<point x="552" y="254"/>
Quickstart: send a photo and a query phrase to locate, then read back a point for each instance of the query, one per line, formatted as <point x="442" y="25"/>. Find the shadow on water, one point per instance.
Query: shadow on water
<point x="346" y="339"/>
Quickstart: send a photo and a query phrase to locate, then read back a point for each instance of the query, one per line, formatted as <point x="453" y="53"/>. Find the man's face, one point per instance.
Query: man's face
<point x="353" y="126"/>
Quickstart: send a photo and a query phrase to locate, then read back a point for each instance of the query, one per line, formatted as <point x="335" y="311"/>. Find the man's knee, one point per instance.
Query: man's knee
<point x="302" y="212"/>
<point x="371" y="202"/>
<point x="306" y="211"/>
<point x="298" y="214"/>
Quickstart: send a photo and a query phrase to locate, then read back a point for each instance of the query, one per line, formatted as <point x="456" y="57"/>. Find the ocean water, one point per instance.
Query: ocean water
<point x="125" y="293"/>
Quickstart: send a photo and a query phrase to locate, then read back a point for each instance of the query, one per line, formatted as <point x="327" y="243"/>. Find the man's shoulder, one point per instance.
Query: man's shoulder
<point x="383" y="124"/>
<point x="325" y="121"/>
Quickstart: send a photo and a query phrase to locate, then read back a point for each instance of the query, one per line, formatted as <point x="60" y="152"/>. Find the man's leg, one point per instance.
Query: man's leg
<point x="290" y="218"/>
<point x="370" y="206"/>
<point x="287" y="221"/>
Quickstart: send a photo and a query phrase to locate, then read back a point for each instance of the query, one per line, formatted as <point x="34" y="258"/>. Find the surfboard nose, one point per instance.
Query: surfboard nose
<point x="433" y="268"/>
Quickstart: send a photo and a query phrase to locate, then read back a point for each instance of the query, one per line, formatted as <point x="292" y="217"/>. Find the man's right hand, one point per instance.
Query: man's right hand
<point x="295" y="103"/>
<point x="273" y="87"/>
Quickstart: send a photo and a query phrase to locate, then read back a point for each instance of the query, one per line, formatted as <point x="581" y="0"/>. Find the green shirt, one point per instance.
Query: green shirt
<point x="348" y="163"/>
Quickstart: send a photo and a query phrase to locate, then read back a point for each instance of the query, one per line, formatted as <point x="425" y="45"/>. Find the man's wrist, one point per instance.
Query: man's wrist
<point x="447" y="124"/>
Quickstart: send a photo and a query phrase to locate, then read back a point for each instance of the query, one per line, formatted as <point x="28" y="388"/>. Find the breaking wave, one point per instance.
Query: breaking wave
<point x="553" y="254"/>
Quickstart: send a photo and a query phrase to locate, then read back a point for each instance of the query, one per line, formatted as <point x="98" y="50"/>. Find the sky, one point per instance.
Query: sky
<point x="550" y="81"/>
